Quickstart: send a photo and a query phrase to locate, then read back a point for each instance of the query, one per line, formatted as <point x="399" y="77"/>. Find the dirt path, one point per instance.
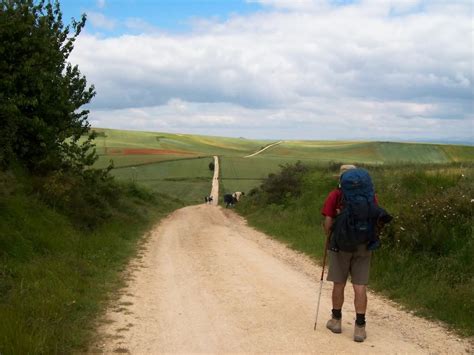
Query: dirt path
<point x="215" y="182"/>
<point x="261" y="150"/>
<point x="206" y="282"/>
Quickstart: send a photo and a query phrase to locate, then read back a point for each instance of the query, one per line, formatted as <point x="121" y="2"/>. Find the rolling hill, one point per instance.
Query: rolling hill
<point x="177" y="164"/>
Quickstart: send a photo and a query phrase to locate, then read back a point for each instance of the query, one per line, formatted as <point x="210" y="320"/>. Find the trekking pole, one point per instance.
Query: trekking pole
<point x="322" y="278"/>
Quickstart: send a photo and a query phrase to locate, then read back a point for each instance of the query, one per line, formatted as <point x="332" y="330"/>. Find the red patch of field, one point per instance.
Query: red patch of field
<point x="144" y="151"/>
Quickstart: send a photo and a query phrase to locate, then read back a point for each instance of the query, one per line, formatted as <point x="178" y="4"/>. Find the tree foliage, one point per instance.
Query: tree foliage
<point x="41" y="93"/>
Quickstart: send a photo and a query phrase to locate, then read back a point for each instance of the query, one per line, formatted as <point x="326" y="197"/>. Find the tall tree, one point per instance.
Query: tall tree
<point x="41" y="93"/>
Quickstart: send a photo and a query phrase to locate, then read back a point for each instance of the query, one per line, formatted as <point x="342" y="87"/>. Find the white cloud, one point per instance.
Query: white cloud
<point x="290" y="4"/>
<point x="99" y="20"/>
<point x="318" y="119"/>
<point x="137" y="24"/>
<point x="373" y="69"/>
<point x="101" y="4"/>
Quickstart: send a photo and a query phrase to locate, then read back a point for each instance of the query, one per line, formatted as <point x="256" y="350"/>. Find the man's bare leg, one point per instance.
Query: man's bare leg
<point x="338" y="295"/>
<point x="360" y="298"/>
<point x="360" y="304"/>
<point x="335" y="323"/>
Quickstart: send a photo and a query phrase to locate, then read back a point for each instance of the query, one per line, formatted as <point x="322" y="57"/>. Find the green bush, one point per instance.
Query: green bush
<point x="88" y="198"/>
<point x="286" y="184"/>
<point x="438" y="222"/>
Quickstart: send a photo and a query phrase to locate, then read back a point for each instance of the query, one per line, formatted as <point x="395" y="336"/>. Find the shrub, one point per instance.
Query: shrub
<point x="437" y="222"/>
<point x="86" y="198"/>
<point x="286" y="184"/>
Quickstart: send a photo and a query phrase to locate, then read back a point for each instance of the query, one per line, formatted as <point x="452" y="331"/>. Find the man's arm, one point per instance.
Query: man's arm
<point x="328" y="222"/>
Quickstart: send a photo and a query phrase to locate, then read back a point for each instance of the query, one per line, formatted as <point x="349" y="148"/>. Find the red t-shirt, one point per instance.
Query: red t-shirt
<point x="333" y="204"/>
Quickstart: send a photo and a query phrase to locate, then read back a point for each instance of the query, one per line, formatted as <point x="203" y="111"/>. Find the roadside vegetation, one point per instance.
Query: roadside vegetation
<point x="66" y="229"/>
<point x="425" y="261"/>
<point x="61" y="257"/>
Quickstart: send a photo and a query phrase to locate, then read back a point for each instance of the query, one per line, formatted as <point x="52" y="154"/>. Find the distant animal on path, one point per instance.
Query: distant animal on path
<point x="237" y="195"/>
<point x="208" y="199"/>
<point x="229" y="200"/>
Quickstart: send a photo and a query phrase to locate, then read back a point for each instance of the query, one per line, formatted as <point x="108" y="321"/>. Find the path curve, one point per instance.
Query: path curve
<point x="206" y="282"/>
<point x="263" y="149"/>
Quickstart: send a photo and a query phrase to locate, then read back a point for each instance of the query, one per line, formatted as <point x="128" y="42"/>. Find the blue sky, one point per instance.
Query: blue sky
<point x="168" y="15"/>
<point x="281" y="69"/>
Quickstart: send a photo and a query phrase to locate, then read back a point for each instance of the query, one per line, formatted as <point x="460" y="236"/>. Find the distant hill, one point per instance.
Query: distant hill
<point x="128" y="148"/>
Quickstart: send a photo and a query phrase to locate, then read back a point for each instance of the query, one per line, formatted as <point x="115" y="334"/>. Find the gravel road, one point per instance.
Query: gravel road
<point x="206" y="282"/>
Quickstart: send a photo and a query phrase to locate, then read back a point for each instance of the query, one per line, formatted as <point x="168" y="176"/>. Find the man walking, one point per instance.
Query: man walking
<point x="341" y="264"/>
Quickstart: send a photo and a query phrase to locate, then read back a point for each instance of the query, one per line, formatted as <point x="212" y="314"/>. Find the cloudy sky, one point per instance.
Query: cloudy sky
<point x="281" y="69"/>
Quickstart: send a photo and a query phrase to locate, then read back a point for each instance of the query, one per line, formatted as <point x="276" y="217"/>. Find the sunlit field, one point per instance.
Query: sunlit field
<point x="178" y="164"/>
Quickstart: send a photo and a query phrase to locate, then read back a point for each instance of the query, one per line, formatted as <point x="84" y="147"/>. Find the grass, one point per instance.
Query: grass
<point x="160" y="171"/>
<point x="251" y="168"/>
<point x="192" y="145"/>
<point x="243" y="174"/>
<point x="123" y="161"/>
<point x="370" y="152"/>
<point x="55" y="277"/>
<point x="189" y="179"/>
<point x="111" y="140"/>
<point x="413" y="153"/>
<point x="425" y="262"/>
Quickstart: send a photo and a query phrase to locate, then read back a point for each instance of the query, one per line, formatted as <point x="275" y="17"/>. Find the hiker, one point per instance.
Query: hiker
<point x="345" y="259"/>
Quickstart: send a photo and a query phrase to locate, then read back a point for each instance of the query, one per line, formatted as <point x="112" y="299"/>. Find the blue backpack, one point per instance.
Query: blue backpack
<point x="355" y="224"/>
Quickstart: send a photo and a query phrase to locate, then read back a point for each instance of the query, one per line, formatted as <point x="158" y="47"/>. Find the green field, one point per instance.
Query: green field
<point x="177" y="164"/>
<point x="243" y="174"/>
<point x="111" y="144"/>
<point x="187" y="179"/>
<point x="370" y="152"/>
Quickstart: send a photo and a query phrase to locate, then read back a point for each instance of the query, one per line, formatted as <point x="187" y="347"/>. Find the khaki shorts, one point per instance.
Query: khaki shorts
<point x="357" y="264"/>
